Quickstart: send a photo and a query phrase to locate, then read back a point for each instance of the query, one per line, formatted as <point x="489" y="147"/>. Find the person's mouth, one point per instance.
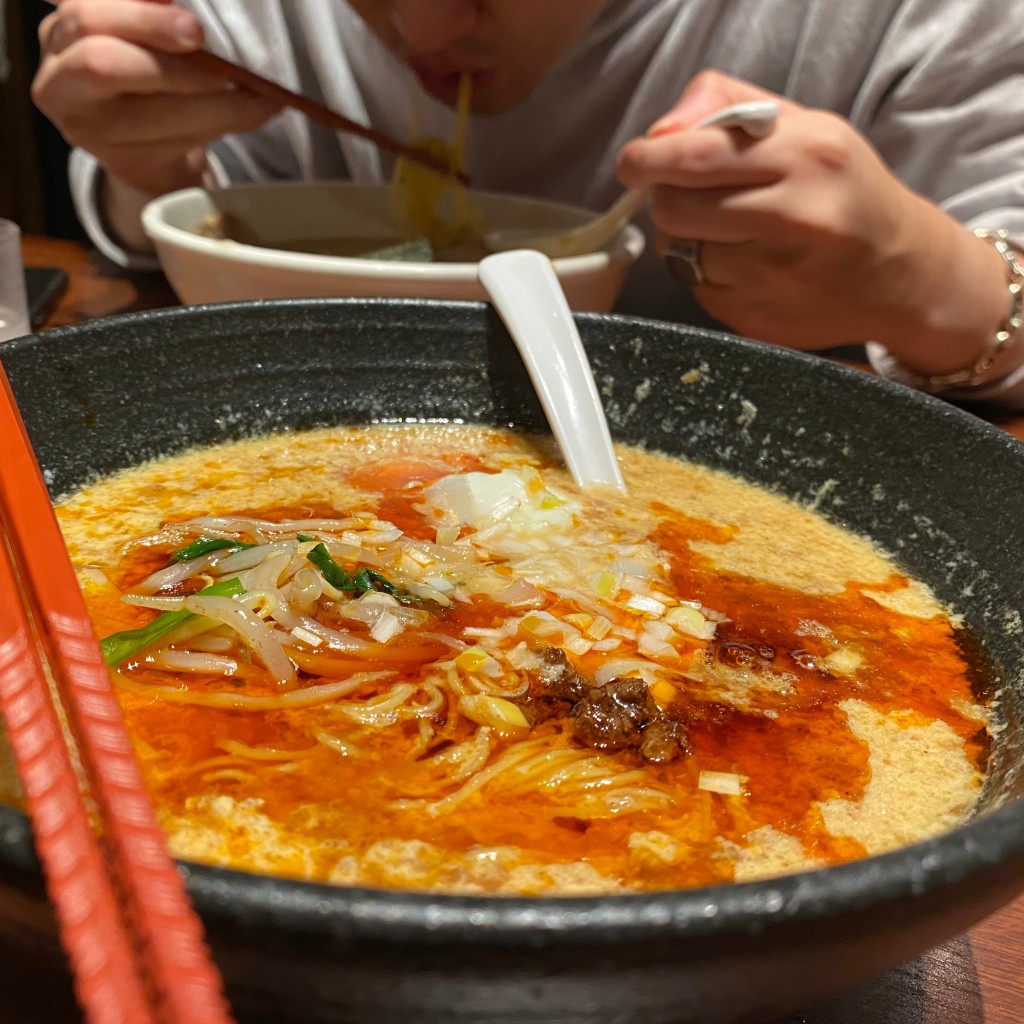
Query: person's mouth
<point x="442" y="80"/>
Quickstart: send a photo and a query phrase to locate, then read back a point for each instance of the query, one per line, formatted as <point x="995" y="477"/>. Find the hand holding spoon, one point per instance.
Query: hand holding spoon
<point x="756" y="118"/>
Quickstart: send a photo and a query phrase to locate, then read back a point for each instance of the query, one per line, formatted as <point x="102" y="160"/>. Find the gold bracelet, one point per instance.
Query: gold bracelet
<point x="1003" y="338"/>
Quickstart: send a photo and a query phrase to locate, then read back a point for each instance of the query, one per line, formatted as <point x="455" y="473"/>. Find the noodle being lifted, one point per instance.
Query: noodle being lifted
<point x="438" y="208"/>
<point x="429" y="216"/>
<point x="420" y="657"/>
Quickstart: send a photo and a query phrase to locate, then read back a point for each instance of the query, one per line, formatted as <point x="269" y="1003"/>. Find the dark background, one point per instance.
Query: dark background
<point x="33" y="156"/>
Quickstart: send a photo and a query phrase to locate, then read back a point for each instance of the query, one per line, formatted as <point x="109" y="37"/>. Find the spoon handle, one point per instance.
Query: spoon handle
<point x="527" y="295"/>
<point x="756" y="117"/>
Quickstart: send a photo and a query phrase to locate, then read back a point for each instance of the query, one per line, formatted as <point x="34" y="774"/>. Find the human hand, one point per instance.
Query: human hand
<point x="113" y="79"/>
<point x="807" y="238"/>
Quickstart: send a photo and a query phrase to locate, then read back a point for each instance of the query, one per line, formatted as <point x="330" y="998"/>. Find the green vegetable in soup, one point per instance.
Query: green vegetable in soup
<point x="119" y="646"/>
<point x="204" y="545"/>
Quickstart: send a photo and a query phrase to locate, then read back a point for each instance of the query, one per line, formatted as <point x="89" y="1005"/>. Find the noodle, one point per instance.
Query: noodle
<point x="344" y="747"/>
<point x="434" y="206"/>
<point x="572" y="773"/>
<point x="381" y="711"/>
<point x="262" y="753"/>
<point x="304" y="698"/>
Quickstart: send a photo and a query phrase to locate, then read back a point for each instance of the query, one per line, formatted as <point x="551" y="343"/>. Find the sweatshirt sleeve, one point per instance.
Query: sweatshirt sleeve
<point x="85" y="177"/>
<point x="947" y="114"/>
<point x="1006" y="392"/>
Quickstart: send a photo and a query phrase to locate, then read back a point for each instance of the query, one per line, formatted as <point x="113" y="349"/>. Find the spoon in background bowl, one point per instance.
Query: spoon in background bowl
<point x="756" y="118"/>
<point x="526" y="293"/>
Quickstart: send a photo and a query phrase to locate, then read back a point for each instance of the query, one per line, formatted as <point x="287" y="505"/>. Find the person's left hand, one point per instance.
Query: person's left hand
<point x="807" y="238"/>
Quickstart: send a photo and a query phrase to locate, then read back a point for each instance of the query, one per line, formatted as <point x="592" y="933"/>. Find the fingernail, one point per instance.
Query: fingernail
<point x="188" y="32"/>
<point x="663" y="127"/>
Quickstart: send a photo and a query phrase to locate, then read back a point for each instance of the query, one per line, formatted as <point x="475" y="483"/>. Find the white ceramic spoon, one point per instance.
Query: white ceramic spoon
<point x="756" y="118"/>
<point x="529" y="298"/>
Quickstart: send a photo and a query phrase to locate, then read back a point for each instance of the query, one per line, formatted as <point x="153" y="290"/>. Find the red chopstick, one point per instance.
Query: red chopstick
<point x="92" y="932"/>
<point x="135" y="944"/>
<point x="316" y="111"/>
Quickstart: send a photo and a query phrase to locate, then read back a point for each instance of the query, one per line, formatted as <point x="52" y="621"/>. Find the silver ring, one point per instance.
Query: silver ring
<point x="682" y="257"/>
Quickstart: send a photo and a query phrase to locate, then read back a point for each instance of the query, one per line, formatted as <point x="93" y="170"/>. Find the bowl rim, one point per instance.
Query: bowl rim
<point x="990" y="843"/>
<point x="625" y="248"/>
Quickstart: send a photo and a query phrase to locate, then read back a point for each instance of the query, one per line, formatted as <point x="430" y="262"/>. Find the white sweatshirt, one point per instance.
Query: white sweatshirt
<point x="936" y="85"/>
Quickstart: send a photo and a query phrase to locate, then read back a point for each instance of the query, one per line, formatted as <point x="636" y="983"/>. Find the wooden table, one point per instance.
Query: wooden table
<point x="96" y="287"/>
<point x="977" y="978"/>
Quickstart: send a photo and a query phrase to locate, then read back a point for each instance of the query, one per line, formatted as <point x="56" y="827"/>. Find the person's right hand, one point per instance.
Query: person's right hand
<point x="113" y="80"/>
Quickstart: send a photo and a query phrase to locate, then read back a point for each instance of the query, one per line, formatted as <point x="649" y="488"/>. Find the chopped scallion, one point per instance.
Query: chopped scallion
<point x="363" y="581"/>
<point x="204" y="545"/>
<point x="119" y="646"/>
<point x="329" y="568"/>
<point x="370" y="579"/>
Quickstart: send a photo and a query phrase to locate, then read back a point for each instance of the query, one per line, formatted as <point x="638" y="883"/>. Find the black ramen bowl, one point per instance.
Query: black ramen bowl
<point x="939" y="489"/>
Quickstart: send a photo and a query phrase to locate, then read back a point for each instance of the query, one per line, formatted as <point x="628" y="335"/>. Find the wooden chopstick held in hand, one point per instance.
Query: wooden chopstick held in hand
<point x="134" y="942"/>
<point x="313" y="109"/>
<point x="256" y="84"/>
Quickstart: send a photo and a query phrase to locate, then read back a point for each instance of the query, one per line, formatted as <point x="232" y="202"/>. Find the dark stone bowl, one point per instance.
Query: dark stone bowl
<point x="941" y="490"/>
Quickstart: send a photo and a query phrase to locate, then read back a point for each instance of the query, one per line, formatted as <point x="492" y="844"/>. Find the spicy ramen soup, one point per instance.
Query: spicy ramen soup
<point x="420" y="657"/>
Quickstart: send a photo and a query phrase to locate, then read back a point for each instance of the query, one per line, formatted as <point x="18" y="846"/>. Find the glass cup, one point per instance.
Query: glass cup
<point x="13" y="303"/>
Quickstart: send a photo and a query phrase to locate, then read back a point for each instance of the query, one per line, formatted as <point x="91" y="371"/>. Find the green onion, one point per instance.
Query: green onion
<point x="204" y="545"/>
<point x="329" y="568"/>
<point x="370" y="579"/>
<point x="119" y="646"/>
<point x="365" y="580"/>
